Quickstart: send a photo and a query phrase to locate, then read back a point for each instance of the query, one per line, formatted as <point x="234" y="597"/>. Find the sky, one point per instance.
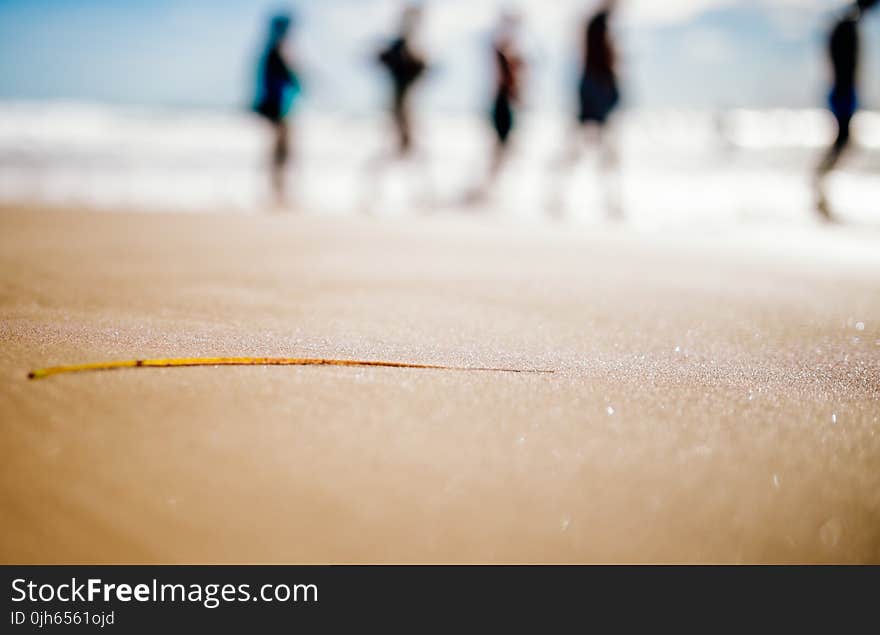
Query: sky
<point x="675" y="53"/>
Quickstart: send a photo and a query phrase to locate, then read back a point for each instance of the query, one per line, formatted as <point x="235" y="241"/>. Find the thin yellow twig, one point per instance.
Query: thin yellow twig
<point x="256" y="361"/>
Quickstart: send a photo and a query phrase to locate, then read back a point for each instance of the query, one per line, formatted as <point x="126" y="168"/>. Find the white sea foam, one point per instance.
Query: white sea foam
<point x="675" y="165"/>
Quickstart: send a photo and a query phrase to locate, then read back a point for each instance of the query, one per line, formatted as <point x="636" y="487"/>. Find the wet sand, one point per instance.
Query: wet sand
<point x="716" y="398"/>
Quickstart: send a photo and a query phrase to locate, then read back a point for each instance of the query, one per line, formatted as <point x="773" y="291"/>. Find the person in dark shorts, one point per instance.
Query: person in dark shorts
<point x="278" y="88"/>
<point x="598" y="90"/>
<point x="509" y="69"/>
<point x="843" y="50"/>
<point x="405" y="66"/>
<point x="598" y="96"/>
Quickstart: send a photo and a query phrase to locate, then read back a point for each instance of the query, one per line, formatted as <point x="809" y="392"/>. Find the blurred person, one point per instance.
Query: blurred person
<point x="278" y="88"/>
<point x="405" y="66"/>
<point x="598" y="89"/>
<point x="843" y="50"/>
<point x="598" y="97"/>
<point x="509" y="71"/>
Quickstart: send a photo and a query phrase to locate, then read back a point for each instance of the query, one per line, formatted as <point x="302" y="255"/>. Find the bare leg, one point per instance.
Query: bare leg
<point x="402" y="125"/>
<point x="480" y="193"/>
<point x="374" y="172"/>
<point x="561" y="168"/>
<point x="827" y="165"/>
<point x="609" y="172"/>
<point x="499" y="158"/>
<point x="280" y="156"/>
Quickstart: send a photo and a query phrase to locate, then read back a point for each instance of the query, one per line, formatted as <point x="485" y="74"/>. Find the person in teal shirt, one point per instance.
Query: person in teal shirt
<point x="278" y="88"/>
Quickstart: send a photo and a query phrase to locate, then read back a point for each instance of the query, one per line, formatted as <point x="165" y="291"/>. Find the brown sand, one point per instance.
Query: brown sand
<point x="714" y="401"/>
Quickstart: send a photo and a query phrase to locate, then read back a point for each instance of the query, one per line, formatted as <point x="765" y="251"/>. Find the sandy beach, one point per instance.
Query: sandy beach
<point x="715" y="397"/>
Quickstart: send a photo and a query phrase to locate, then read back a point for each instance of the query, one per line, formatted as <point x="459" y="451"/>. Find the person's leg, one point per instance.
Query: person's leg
<point x="827" y="165"/>
<point x="403" y="125"/>
<point x="376" y="166"/>
<point x="609" y="172"/>
<point x="280" y="155"/>
<point x="502" y="124"/>
<point x="562" y="166"/>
